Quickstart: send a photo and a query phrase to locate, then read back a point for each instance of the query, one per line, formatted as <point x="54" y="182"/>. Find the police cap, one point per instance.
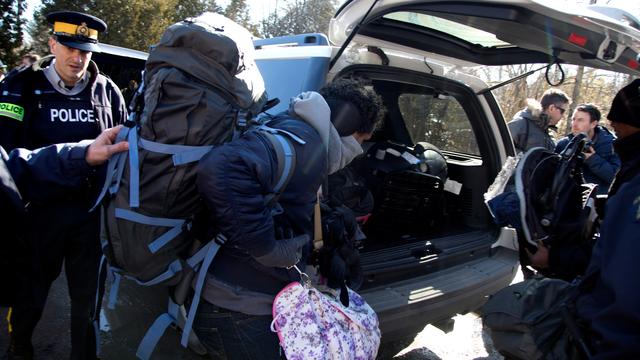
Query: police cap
<point x="76" y="30"/>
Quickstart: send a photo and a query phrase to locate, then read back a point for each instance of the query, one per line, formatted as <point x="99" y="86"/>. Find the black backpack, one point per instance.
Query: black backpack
<point x="526" y="319"/>
<point x="556" y="205"/>
<point x="547" y="200"/>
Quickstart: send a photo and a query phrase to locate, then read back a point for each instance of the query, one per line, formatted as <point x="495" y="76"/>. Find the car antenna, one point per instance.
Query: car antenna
<point x="351" y="35"/>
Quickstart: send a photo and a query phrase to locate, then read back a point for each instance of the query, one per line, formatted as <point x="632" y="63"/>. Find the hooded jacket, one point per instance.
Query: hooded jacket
<point x="233" y="180"/>
<point x="601" y="167"/>
<point x="530" y="128"/>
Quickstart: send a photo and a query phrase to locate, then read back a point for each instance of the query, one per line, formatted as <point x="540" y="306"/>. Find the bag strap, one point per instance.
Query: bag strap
<point x="317" y="225"/>
<point x="286" y="157"/>
<point x="200" y="261"/>
<point x="115" y="169"/>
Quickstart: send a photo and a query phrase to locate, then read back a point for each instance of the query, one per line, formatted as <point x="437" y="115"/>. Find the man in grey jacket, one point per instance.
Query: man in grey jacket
<point x="530" y="127"/>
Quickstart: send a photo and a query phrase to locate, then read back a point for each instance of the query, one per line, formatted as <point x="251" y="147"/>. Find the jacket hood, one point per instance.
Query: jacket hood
<point x="533" y="111"/>
<point x="312" y="108"/>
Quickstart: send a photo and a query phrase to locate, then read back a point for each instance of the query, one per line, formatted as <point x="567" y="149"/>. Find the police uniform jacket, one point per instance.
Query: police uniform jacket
<point x="33" y="114"/>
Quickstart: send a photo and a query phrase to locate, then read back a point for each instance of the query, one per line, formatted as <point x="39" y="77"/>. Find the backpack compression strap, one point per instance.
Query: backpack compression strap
<point x="286" y="157"/>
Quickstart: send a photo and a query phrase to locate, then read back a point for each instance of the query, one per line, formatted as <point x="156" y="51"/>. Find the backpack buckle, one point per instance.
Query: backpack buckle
<point x="241" y="119"/>
<point x="220" y="239"/>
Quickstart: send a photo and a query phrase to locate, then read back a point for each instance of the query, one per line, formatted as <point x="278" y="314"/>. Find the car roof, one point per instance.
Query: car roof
<point x="494" y="32"/>
<point x="108" y="49"/>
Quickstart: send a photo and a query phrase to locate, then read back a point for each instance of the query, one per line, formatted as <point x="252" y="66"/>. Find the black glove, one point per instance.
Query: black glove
<point x="286" y="252"/>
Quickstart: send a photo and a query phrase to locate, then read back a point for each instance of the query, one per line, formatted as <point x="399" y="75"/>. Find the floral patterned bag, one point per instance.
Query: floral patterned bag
<point x="313" y="325"/>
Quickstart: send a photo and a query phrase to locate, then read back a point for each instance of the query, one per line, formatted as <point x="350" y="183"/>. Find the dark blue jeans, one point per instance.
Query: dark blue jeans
<point x="230" y="335"/>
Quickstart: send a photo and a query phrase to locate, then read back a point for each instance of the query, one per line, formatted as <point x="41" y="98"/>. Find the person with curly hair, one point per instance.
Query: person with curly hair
<point x="233" y="319"/>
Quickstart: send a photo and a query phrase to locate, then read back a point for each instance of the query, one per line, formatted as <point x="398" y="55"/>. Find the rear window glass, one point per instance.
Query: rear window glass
<point x="464" y="32"/>
<point x="439" y="120"/>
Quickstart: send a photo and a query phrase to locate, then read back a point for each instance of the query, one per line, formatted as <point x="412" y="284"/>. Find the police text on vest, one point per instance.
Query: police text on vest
<point x="72" y="115"/>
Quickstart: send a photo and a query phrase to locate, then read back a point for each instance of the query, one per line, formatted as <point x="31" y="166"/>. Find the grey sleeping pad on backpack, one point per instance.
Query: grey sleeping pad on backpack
<point x="526" y="319"/>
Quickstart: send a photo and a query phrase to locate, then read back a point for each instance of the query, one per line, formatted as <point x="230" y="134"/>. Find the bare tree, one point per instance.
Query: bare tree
<point x="575" y="96"/>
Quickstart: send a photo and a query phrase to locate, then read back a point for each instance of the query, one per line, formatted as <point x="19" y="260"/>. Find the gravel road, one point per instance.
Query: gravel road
<point x="467" y="340"/>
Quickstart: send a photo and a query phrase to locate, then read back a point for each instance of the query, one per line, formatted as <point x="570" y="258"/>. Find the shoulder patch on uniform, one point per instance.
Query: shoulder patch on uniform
<point x="12" y="111"/>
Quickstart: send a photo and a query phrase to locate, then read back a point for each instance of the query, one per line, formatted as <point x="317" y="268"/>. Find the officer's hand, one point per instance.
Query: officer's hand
<point x="103" y="147"/>
<point x="540" y="259"/>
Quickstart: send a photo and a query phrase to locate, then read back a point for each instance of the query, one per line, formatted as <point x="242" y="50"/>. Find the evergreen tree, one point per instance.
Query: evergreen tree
<point x="135" y="24"/>
<point x="238" y="11"/>
<point x="190" y="8"/>
<point x="300" y="16"/>
<point x="11" y="26"/>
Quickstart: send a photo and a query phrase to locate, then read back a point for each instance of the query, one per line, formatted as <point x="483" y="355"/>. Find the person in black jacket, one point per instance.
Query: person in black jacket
<point x="62" y="98"/>
<point x="609" y="301"/>
<point x="254" y="264"/>
<point x="40" y="175"/>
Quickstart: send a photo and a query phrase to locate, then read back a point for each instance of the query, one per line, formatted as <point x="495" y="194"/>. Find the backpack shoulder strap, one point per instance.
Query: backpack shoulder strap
<point x="286" y="157"/>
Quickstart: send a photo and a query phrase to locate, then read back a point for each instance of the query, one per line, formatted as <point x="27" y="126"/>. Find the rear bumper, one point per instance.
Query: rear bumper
<point x="405" y="307"/>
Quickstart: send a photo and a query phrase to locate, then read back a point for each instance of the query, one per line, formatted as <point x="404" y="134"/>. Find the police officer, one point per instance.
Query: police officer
<point x="62" y="98"/>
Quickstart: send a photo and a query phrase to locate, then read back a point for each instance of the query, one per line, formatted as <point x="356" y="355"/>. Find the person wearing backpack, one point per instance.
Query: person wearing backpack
<point x="234" y="319"/>
<point x="62" y="98"/>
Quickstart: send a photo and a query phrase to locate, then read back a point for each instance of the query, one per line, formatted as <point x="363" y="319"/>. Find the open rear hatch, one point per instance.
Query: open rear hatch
<point x="493" y="32"/>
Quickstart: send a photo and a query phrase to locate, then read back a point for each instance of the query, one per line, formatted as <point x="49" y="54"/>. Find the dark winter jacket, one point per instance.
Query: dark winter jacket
<point x="233" y="180"/>
<point x="609" y="301"/>
<point x="610" y="298"/>
<point x="530" y="128"/>
<point x="31" y="176"/>
<point x="628" y="149"/>
<point x="601" y="167"/>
